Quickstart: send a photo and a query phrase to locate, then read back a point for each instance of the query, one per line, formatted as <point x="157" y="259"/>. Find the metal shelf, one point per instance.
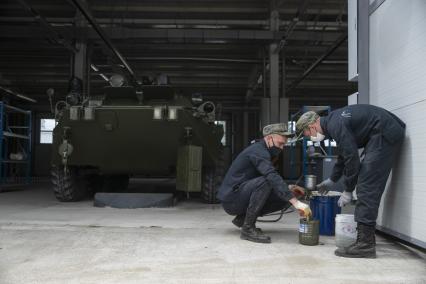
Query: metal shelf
<point x="15" y="161"/>
<point x="10" y="134"/>
<point x="15" y="170"/>
<point x="15" y="109"/>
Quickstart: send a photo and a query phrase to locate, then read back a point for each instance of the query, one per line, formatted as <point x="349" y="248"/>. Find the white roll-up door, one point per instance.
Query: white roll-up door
<point x="398" y="83"/>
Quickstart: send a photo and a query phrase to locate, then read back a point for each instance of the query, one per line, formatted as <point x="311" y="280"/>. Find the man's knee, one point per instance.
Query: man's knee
<point x="274" y="206"/>
<point x="260" y="183"/>
<point x="233" y="209"/>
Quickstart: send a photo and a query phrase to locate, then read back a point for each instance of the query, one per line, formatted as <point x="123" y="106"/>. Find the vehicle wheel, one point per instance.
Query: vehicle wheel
<point x="211" y="181"/>
<point x="115" y="183"/>
<point x="68" y="185"/>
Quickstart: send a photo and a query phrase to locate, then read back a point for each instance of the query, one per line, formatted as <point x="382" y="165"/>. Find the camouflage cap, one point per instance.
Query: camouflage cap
<point x="276" y="128"/>
<point x="305" y="120"/>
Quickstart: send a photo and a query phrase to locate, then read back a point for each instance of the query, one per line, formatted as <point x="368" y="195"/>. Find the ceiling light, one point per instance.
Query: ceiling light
<point x="211" y="26"/>
<point x="104" y="77"/>
<point x="94" y="68"/>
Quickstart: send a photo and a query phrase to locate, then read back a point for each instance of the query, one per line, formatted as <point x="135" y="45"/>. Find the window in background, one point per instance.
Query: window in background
<point x="223" y="123"/>
<point x="46" y="130"/>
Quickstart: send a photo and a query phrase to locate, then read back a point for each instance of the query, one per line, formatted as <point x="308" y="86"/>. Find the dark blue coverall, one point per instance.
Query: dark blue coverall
<point x="381" y="134"/>
<point x="253" y="170"/>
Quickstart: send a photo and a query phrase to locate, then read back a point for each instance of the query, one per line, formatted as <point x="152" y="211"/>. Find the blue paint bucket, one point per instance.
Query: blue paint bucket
<point x="324" y="208"/>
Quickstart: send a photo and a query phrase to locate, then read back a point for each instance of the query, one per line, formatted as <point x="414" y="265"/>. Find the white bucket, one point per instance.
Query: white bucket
<point x="345" y="230"/>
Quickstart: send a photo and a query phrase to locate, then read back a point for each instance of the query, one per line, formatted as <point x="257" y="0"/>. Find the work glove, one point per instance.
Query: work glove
<point x="325" y="186"/>
<point x="345" y="198"/>
<point x="298" y="191"/>
<point x="304" y="210"/>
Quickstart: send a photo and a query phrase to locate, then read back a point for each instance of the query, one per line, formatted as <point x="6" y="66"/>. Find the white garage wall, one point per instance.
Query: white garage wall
<point x="398" y="83"/>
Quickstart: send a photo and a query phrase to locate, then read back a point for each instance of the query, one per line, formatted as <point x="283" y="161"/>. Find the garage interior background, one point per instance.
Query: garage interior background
<point x="259" y="61"/>
<point x="234" y="53"/>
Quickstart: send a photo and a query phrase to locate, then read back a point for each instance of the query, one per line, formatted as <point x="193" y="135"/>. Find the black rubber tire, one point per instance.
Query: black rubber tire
<point x="115" y="183"/>
<point x="68" y="186"/>
<point x="211" y="180"/>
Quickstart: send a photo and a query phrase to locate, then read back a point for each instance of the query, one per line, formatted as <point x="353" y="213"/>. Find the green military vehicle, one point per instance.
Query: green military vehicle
<point x="150" y="131"/>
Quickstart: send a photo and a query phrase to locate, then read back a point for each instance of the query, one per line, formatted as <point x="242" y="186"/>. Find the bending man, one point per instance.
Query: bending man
<point x="380" y="133"/>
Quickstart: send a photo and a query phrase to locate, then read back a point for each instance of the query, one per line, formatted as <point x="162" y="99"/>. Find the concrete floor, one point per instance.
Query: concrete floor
<point x="45" y="241"/>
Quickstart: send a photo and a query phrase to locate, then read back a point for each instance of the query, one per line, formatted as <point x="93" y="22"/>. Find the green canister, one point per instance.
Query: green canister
<point x="309" y="232"/>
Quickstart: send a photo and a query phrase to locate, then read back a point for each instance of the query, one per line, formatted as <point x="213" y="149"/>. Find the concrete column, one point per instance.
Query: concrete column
<point x="274" y="60"/>
<point x="245" y="128"/>
<point x="283" y="74"/>
<point x="284" y="101"/>
<point x="274" y="82"/>
<point x="265" y="111"/>
<point x="284" y="106"/>
<point x="237" y="133"/>
<point x="81" y="62"/>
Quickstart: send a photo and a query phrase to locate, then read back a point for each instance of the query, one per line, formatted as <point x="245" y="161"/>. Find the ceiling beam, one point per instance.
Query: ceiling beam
<point x="88" y="15"/>
<point x="11" y="31"/>
<point x="178" y="23"/>
<point x="329" y="51"/>
<point x="54" y="35"/>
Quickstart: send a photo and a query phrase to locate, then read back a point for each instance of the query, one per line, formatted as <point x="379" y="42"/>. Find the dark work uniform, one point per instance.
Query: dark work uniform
<point x="380" y="133"/>
<point x="253" y="170"/>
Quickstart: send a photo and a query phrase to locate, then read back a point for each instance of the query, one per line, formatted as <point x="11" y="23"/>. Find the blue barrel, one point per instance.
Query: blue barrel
<point x="325" y="209"/>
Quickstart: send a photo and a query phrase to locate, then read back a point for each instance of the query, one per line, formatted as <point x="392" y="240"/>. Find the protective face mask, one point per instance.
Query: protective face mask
<point x="318" y="138"/>
<point x="274" y="150"/>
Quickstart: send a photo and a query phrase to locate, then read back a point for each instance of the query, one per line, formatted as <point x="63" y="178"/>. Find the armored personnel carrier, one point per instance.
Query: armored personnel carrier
<point x="151" y="131"/>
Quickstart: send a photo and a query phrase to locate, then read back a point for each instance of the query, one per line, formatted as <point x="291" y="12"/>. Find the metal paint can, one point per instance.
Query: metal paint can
<point x="310" y="182"/>
<point x="309" y="232"/>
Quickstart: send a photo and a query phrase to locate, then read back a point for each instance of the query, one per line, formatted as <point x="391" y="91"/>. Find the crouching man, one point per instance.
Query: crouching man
<point x="252" y="187"/>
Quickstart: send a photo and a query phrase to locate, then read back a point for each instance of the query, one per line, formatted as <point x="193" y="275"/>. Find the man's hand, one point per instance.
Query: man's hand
<point x="325" y="186"/>
<point x="344" y="199"/>
<point x="298" y="191"/>
<point x="304" y="210"/>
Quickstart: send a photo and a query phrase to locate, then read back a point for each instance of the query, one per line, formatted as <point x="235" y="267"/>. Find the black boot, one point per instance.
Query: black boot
<point x="254" y="234"/>
<point x="365" y="245"/>
<point x="239" y="220"/>
<point x="257" y="201"/>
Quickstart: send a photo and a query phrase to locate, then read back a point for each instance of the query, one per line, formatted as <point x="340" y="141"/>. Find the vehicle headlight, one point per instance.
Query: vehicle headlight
<point x="173" y="113"/>
<point x="158" y="113"/>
